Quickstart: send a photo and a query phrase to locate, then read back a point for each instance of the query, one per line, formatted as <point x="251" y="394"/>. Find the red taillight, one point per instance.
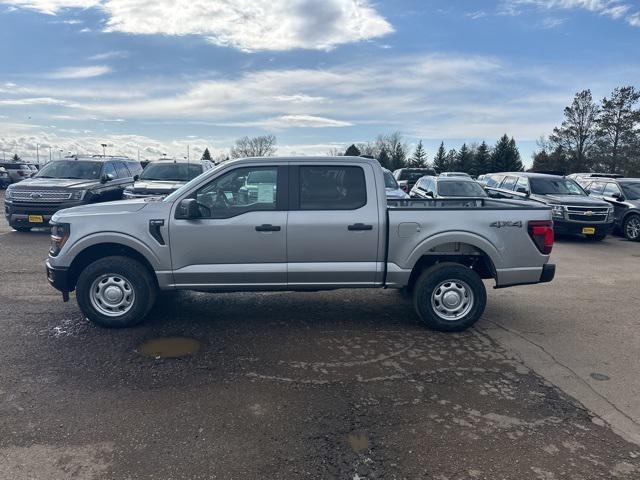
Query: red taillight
<point x="541" y="232"/>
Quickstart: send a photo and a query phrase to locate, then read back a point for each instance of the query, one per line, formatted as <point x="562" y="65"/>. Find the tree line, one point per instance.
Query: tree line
<point x="594" y="136"/>
<point x="475" y="159"/>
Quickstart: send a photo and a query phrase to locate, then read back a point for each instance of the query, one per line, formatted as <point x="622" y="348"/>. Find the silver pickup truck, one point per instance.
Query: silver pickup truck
<point x="297" y="224"/>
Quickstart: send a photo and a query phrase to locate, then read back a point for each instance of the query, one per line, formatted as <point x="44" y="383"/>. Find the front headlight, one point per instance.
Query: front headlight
<point x="557" y="211"/>
<point x="9" y="193"/>
<point x="78" y="195"/>
<point x="59" y="236"/>
<point x="610" y="214"/>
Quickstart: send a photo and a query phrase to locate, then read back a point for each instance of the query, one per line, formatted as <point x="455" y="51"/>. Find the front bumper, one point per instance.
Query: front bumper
<point x="563" y="227"/>
<point x="59" y="278"/>
<point x="17" y="214"/>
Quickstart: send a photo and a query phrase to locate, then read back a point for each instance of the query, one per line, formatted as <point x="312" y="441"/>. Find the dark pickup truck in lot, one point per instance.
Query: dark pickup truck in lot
<point x="574" y="211"/>
<point x="67" y="183"/>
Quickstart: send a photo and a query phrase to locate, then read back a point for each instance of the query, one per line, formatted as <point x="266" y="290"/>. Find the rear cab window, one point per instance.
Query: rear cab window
<point x="331" y="187"/>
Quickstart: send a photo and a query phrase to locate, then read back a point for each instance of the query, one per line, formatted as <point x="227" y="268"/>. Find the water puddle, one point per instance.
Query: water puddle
<point x="169" y="347"/>
<point x="359" y="443"/>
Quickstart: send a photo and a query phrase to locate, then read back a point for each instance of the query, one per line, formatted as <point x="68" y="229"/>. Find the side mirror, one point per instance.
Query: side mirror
<point x="188" y="209"/>
<point x="429" y="194"/>
<point x="587" y="191"/>
<point x="618" y="196"/>
<point x="522" y="190"/>
<point x="107" y="177"/>
<point x="136" y="178"/>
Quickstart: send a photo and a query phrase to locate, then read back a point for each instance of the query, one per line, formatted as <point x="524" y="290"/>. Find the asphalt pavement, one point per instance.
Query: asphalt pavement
<point x="345" y="384"/>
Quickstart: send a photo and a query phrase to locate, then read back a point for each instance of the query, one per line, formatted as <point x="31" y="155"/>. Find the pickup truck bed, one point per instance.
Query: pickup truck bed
<point x="297" y="223"/>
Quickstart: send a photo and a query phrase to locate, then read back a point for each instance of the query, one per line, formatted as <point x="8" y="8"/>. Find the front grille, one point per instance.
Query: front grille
<point x="40" y="195"/>
<point x="34" y="208"/>
<point x="588" y="214"/>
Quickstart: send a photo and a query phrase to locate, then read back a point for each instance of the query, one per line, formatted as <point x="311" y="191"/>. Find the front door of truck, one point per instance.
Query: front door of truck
<point x="239" y="241"/>
<point x="333" y="226"/>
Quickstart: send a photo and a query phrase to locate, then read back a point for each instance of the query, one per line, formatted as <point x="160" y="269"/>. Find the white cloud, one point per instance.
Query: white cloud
<point x="249" y="25"/>
<point x="476" y="15"/>
<point x="108" y="55"/>
<point x="80" y="72"/>
<point x="615" y="9"/>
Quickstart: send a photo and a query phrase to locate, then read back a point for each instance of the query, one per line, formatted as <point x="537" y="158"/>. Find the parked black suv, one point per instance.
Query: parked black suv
<point x="574" y="212"/>
<point x="624" y="195"/>
<point x="67" y="183"/>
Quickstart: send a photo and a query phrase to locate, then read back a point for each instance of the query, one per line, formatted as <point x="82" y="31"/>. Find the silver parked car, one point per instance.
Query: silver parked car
<point x="447" y="187"/>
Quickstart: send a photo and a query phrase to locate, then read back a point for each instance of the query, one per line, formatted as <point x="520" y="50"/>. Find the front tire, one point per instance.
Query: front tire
<point x="449" y="297"/>
<point x="115" y="292"/>
<point x="631" y="227"/>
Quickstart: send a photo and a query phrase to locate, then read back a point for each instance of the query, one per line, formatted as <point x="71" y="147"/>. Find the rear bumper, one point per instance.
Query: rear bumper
<point x="58" y="278"/>
<point x="510" y="277"/>
<point x="548" y="273"/>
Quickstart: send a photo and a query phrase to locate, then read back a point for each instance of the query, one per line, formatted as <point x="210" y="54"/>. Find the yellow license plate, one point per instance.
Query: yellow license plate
<point x="36" y="219"/>
<point x="588" y="231"/>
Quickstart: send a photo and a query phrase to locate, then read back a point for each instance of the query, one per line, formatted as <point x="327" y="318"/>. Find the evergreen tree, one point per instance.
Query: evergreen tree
<point x="419" y="157"/>
<point x="440" y="160"/>
<point x="352" y="151"/>
<point x="451" y="160"/>
<point x="505" y="156"/>
<point x="15" y="158"/>
<point x="616" y="129"/>
<point x="385" y="159"/>
<point x="464" y="159"/>
<point x="481" y="160"/>
<point x="206" y="155"/>
<point x="577" y="134"/>
<point x="398" y="157"/>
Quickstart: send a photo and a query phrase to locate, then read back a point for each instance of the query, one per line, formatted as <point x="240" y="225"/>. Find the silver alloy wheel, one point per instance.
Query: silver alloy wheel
<point x="112" y="295"/>
<point x="452" y="300"/>
<point x="632" y="228"/>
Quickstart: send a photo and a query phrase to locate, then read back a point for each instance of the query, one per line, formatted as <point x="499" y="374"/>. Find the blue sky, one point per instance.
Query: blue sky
<point x="158" y="75"/>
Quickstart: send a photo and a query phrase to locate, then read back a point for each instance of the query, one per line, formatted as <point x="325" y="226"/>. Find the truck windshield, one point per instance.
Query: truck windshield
<point x="71" y="169"/>
<point x="389" y="181"/>
<point x="631" y="190"/>
<point x="414" y="175"/>
<point x="555" y="186"/>
<point x="460" y="189"/>
<point x="176" y="172"/>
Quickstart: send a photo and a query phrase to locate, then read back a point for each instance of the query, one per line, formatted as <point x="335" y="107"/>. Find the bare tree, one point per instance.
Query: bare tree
<point x="262" y="146"/>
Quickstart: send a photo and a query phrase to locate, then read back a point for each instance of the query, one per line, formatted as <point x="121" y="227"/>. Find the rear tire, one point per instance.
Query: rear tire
<point x="449" y="297"/>
<point x="631" y="227"/>
<point x="115" y="292"/>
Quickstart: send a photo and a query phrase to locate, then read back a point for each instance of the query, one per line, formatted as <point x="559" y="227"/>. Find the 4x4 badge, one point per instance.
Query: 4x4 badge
<point x="507" y="223"/>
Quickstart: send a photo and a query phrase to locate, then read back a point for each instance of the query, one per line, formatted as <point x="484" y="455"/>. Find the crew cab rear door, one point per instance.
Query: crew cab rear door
<point x="333" y="225"/>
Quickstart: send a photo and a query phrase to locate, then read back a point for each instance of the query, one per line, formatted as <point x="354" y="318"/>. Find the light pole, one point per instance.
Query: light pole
<point x="104" y="149"/>
<point x="60" y="153"/>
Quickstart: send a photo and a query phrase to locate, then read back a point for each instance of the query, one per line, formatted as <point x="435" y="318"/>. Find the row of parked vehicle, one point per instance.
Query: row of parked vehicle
<point x="12" y="172"/>
<point x="589" y="204"/>
<point x="78" y="180"/>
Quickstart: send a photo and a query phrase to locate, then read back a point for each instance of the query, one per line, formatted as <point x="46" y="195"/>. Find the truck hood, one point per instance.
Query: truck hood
<point x="31" y="183"/>
<point x="122" y="207"/>
<point x="571" y="200"/>
<point x="157" y="185"/>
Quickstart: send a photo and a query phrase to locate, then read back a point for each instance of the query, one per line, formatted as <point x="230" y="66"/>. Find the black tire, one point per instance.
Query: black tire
<point x="132" y="274"/>
<point x="462" y="279"/>
<point x="627" y="231"/>
<point x="21" y="229"/>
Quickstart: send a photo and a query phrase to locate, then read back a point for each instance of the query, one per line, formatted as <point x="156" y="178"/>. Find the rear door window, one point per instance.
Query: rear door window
<point x="522" y="183"/>
<point x="332" y="187"/>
